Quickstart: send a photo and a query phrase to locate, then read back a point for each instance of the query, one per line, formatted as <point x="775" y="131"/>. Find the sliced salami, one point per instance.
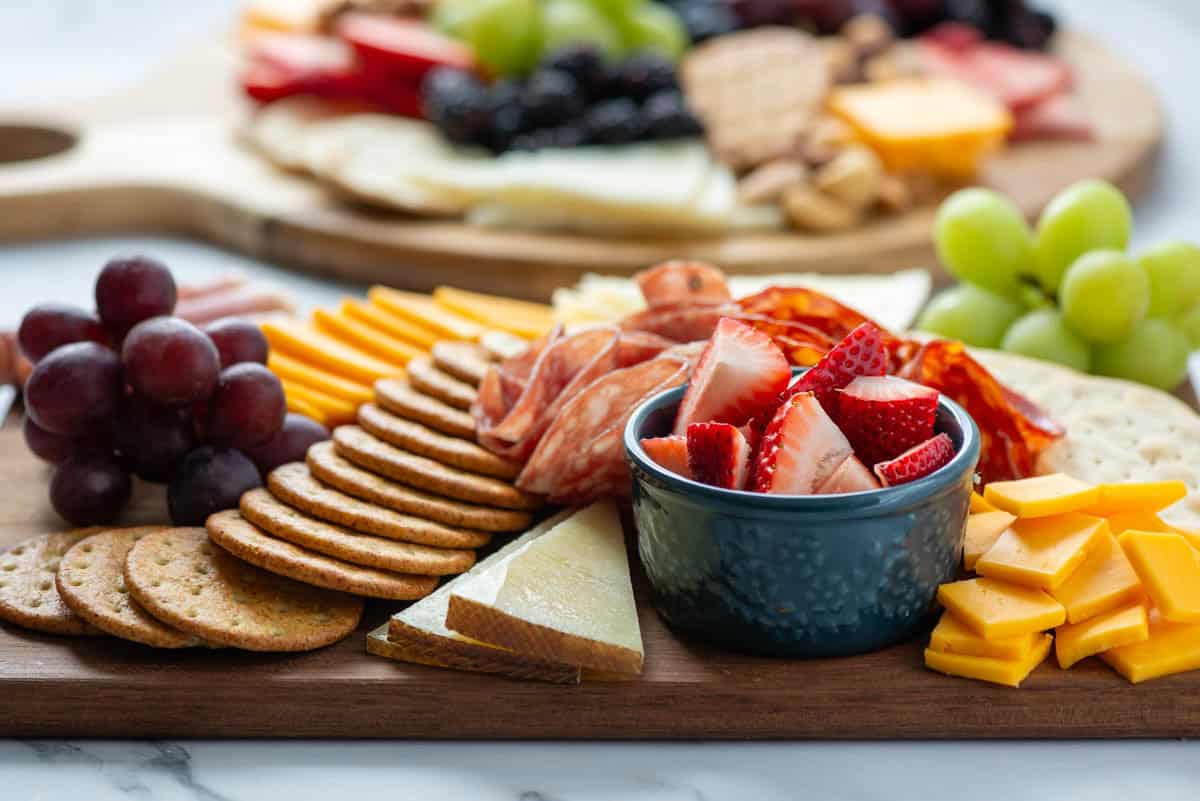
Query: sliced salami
<point x="679" y="323"/>
<point x="683" y="282"/>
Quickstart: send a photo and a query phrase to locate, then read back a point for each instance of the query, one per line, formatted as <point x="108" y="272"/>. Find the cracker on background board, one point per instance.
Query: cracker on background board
<point x="28" y="592"/>
<point x="416" y="438"/>
<point x="428" y="379"/>
<point x="398" y="397"/>
<point x="91" y="581"/>
<point x="186" y="581"/>
<point x="466" y="361"/>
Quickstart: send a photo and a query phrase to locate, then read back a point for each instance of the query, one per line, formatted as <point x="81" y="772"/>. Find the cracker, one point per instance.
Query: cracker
<point x="91" y="581"/>
<point x="280" y="520"/>
<point x="416" y="438"/>
<point x="466" y="361"/>
<point x="251" y="544"/>
<point x="426" y="378"/>
<point x="501" y="345"/>
<point x="328" y="467"/>
<point x="28" y="595"/>
<point x="370" y="453"/>
<point x="186" y="581"/>
<point x="398" y="397"/>
<point x="295" y="485"/>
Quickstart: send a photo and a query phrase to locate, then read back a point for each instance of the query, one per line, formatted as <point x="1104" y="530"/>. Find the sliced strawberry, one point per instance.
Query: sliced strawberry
<point x="916" y="462"/>
<point x="669" y="453"/>
<point x="883" y="416"/>
<point x="860" y="353"/>
<point x="851" y="476"/>
<point x="718" y="454"/>
<point x="288" y="64"/>
<point x="401" y="48"/>
<point x="801" y="449"/>
<point x="739" y="376"/>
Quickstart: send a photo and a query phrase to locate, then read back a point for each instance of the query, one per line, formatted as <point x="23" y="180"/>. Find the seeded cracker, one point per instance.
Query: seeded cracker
<point x="28" y="595"/>
<point x="466" y="361"/>
<point x="431" y="381"/>
<point x="416" y="438"/>
<point x="399" y="398"/>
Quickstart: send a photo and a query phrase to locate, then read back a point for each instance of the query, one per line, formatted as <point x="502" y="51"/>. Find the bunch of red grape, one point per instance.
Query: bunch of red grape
<point x="133" y="390"/>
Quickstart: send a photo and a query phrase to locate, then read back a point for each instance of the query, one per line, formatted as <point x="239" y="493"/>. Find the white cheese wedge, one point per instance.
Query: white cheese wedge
<point x="564" y="597"/>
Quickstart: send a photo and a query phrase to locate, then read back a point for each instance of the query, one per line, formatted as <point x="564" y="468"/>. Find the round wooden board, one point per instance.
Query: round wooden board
<point x="164" y="157"/>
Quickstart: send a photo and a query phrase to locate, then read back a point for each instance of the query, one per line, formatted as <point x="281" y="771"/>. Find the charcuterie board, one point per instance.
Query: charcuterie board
<point x="165" y="157"/>
<point x="104" y="688"/>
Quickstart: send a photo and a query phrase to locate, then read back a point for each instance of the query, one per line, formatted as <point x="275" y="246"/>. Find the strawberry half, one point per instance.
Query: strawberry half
<point x="916" y="462"/>
<point x="801" y="449"/>
<point x="401" y="49"/>
<point x="740" y="375"/>
<point x="860" y="353"/>
<point x="718" y="454"/>
<point x="851" y="476"/>
<point x="883" y="416"/>
<point x="669" y="453"/>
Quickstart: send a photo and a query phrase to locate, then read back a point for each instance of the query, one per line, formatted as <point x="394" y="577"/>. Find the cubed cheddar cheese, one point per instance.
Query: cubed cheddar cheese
<point x="1110" y="630"/>
<point x="998" y="610"/>
<point x="422" y="310"/>
<point x="520" y="317"/>
<point x="1136" y="496"/>
<point x="1105" y="581"/>
<point x="1170" y="648"/>
<point x="952" y="636"/>
<point x="1041" y="496"/>
<point x="1042" y="552"/>
<point x="1010" y="672"/>
<point x="1170" y="571"/>
<point x="979" y="504"/>
<point x="983" y="530"/>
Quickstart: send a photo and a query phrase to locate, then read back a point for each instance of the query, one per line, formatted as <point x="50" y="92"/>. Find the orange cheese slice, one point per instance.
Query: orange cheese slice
<point x="979" y="504"/>
<point x="422" y="310"/>
<point x="1170" y="571"/>
<point x="997" y="610"/>
<point x="1136" y="496"/>
<point x="1126" y="626"/>
<point x="951" y="636"/>
<point x="305" y="408"/>
<point x="1121" y="522"/>
<point x="1041" y="496"/>
<point x="299" y="339"/>
<point x="388" y="323"/>
<point x="1105" y="581"/>
<point x="983" y="530"/>
<point x="520" y="317"/>
<point x="365" y="338"/>
<point x="1042" y="552"/>
<point x="1010" y="672"/>
<point x="296" y="371"/>
<point x="337" y="411"/>
<point x="1171" y="648"/>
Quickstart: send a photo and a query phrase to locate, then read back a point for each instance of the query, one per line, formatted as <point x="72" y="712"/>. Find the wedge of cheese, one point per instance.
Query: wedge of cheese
<point x="565" y="597"/>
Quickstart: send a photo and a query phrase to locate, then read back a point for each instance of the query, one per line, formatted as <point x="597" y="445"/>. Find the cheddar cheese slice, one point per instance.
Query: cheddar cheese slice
<point x="1109" y="630"/>
<point x="1042" y="552"/>
<point x="1136" y="496"/>
<point x="1010" y="672"/>
<point x="1170" y="648"/>
<point x="951" y="636"/>
<point x="998" y="610"/>
<point x="1170" y="571"/>
<point x="299" y="339"/>
<point x="520" y="317"/>
<point x="1121" y="522"/>
<point x="983" y="530"/>
<point x="1041" y="496"/>
<point x="296" y="371"/>
<point x="365" y="338"/>
<point x="336" y="411"/>
<point x="388" y="323"/>
<point x="979" y="504"/>
<point x="305" y="408"/>
<point x="422" y="310"/>
<point x="1105" y="581"/>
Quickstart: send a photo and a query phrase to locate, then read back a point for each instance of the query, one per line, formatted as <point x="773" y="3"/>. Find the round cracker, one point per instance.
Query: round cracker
<point x="416" y="438"/>
<point x="398" y="397"/>
<point x="373" y="454"/>
<point x="28" y="593"/>
<point x="343" y="475"/>
<point x="91" y="581"/>
<point x="426" y="378"/>
<point x="282" y="521"/>
<point x="295" y="485"/>
<point x="186" y="581"/>
<point x="248" y="542"/>
<point x="466" y="361"/>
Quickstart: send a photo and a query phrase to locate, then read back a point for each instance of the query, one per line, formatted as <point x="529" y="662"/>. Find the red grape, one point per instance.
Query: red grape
<point x="50" y="325"/>
<point x="132" y="289"/>
<point x="89" y="489"/>
<point x="153" y="439"/>
<point x="73" y="387"/>
<point x="209" y="480"/>
<point x="290" y="444"/>
<point x="247" y="407"/>
<point x="170" y="361"/>
<point x="46" y="445"/>
<point x="238" y="341"/>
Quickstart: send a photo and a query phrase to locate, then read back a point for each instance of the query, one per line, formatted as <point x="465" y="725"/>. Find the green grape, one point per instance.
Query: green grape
<point x="617" y="10"/>
<point x="566" y="22"/>
<point x="452" y="16"/>
<point x="504" y="34"/>
<point x="1189" y="324"/>
<point x="1174" y="272"/>
<point x="982" y="238"/>
<point x="1032" y="297"/>
<point x="1086" y="216"/>
<point x="970" y="315"/>
<point x="655" y="27"/>
<point x="1104" y="295"/>
<point x="1044" y="334"/>
<point x="1155" y="353"/>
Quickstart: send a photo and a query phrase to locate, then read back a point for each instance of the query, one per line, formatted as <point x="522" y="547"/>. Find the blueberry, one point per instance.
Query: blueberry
<point x="642" y="74"/>
<point x="666" y="116"/>
<point x="614" y="122"/>
<point x="552" y="97"/>
<point x="706" y="20"/>
<point x="585" y="63"/>
<point x="458" y="104"/>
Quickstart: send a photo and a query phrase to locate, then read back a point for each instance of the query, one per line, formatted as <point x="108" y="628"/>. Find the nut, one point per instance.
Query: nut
<point x="767" y="183"/>
<point x="883" y="67"/>
<point x="894" y="194"/>
<point x="844" y="63"/>
<point x="824" y="139"/>
<point x="868" y="34"/>
<point x="812" y="210"/>
<point x="852" y="177"/>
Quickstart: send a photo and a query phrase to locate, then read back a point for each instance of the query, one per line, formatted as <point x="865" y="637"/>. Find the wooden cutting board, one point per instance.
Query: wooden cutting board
<point x="90" y="687"/>
<point x="164" y="157"/>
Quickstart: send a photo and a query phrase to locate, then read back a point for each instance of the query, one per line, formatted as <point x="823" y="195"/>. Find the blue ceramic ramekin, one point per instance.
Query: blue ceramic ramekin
<point x="798" y="576"/>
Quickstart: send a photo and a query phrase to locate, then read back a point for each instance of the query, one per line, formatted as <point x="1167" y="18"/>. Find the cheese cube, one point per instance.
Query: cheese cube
<point x="997" y="610"/>
<point x="979" y="504"/>
<point x="1110" y="630"/>
<point x="951" y="636"/>
<point x="984" y="668"/>
<point x="1042" y="552"/>
<point x="1136" y="496"/>
<point x="1042" y="496"/>
<point x="983" y="530"/>
<point x="1105" y="581"/>
<point x="1121" y="522"/>
<point x="1170" y="571"/>
<point x="1171" y="648"/>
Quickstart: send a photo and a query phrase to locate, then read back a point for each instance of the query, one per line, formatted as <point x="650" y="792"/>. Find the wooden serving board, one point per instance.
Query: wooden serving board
<point x="101" y="687"/>
<point x="165" y="157"/>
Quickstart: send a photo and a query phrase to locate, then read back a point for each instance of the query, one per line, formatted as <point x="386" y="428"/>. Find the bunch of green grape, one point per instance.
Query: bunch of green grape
<point x="1067" y="292"/>
<point x="510" y="36"/>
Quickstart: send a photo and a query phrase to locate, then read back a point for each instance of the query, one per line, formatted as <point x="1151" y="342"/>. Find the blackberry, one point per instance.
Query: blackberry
<point x="1030" y="30"/>
<point x="614" y="122"/>
<point x="562" y="136"/>
<point x="979" y="14"/>
<point x="551" y="97"/>
<point x="508" y="115"/>
<point x="642" y="74"/>
<point x="665" y="115"/>
<point x="458" y="104"/>
<point x="585" y="63"/>
<point x="705" y="19"/>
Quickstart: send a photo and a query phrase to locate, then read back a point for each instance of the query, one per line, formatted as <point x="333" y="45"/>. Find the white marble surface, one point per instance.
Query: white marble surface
<point x="59" y="50"/>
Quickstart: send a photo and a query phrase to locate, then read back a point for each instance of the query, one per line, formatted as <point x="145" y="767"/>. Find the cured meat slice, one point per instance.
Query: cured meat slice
<point x="1017" y="78"/>
<point x="635" y="347"/>
<point x="683" y="282"/>
<point x="1061" y="117"/>
<point x="684" y="322"/>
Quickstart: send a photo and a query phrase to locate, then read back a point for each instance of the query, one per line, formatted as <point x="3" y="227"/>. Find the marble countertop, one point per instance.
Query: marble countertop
<point x="67" y="49"/>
